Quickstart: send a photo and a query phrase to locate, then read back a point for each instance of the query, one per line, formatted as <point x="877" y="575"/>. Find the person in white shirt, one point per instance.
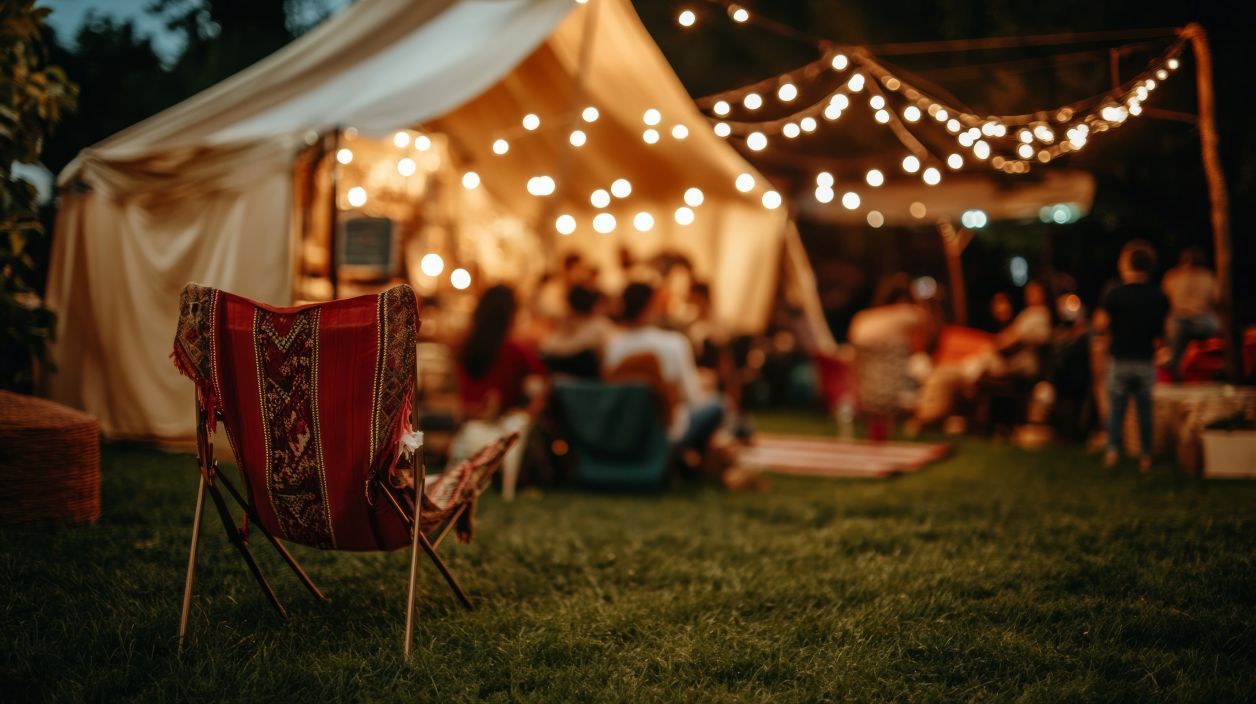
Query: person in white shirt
<point x="1192" y="290"/>
<point x="697" y="412"/>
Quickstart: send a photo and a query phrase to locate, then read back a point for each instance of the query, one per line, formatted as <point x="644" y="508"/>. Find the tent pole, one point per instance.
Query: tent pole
<point x="953" y="244"/>
<point x="333" y="221"/>
<point x="1217" y="194"/>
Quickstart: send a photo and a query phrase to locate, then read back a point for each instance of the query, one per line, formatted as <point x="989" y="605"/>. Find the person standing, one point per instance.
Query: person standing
<point x="1133" y="314"/>
<point x="1192" y="291"/>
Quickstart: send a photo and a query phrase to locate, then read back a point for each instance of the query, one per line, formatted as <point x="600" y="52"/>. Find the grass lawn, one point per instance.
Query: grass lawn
<point x="997" y="575"/>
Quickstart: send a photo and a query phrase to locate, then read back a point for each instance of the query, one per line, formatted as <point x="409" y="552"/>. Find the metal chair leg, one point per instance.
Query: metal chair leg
<point x="449" y="576"/>
<point x="191" y="578"/>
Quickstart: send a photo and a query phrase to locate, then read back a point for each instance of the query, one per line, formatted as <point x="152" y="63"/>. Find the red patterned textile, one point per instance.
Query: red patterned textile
<point x="314" y="399"/>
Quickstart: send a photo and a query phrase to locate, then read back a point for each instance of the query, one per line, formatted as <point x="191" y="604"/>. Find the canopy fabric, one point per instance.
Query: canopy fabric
<point x="203" y="191"/>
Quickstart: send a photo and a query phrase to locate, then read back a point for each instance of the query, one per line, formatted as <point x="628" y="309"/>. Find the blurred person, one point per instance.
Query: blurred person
<point x="1133" y="315"/>
<point x="1001" y="311"/>
<point x="697" y="414"/>
<point x="1022" y="341"/>
<point x="885" y="336"/>
<point x="1192" y="291"/>
<point x="575" y="347"/>
<point x="550" y="303"/>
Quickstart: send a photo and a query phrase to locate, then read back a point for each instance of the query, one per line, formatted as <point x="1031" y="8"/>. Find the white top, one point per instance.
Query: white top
<point x="675" y="356"/>
<point x="889" y="325"/>
<point x="1191" y="290"/>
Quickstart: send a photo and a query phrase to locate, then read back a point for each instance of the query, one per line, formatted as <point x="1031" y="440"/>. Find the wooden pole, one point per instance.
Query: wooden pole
<point x="333" y="221"/>
<point x="1217" y="195"/>
<point x="953" y="244"/>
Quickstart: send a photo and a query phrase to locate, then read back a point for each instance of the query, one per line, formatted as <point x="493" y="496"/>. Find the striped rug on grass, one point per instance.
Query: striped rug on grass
<point x="820" y="457"/>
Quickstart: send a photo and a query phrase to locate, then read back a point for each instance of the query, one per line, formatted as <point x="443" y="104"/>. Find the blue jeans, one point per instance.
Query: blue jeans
<point x="1127" y="378"/>
<point x="1183" y="329"/>
<point x="704" y="420"/>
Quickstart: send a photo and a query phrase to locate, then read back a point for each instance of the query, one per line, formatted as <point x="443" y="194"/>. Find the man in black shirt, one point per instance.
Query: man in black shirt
<point x="1134" y="314"/>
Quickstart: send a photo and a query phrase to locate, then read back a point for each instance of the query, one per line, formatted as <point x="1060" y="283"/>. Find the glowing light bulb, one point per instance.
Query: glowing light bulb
<point x="470" y="180"/>
<point x="1162" y="74"/>
<point x="738" y="13"/>
<point x="651" y="136"/>
<point x="752" y="101"/>
<point x="344" y="156"/>
<point x="952" y="125"/>
<point x="840" y="62"/>
<point x="600" y="198"/>
<point x="604" y="223"/>
<point x="932" y="176"/>
<point x="832" y="112"/>
<point x="771" y="200"/>
<point x="850" y="200"/>
<point x="824" y="179"/>
<point x="955" y="161"/>
<point x="981" y="150"/>
<point x="745" y="183"/>
<point x="1044" y="134"/>
<point x="406" y="166"/>
<point x="684" y="216"/>
<point x="590" y="114"/>
<point x="757" y="141"/>
<point x="791" y="130"/>
<point x="918" y="210"/>
<point x="721" y="108"/>
<point x="966" y="139"/>
<point x="875" y="218"/>
<point x="422" y="143"/>
<point x="643" y="221"/>
<point x="500" y="146"/>
<point x="874" y="177"/>
<point x="1025" y="136"/>
<point x="652" y="117"/>
<point x="461" y="279"/>
<point x="856" y="83"/>
<point x="357" y="196"/>
<point x="941" y="115"/>
<point x="840" y="100"/>
<point x="1173" y="64"/>
<point x="541" y="186"/>
<point x="1025" y="151"/>
<point x="679" y="131"/>
<point x="565" y="224"/>
<point x="877" y="102"/>
<point x="686" y="18"/>
<point x="911" y="164"/>
<point x="882" y="116"/>
<point x="431" y="264"/>
<point x="401" y="139"/>
<point x="722" y="129"/>
<point x="824" y="194"/>
<point x="911" y="113"/>
<point x="577" y="138"/>
<point x="621" y="188"/>
<point x="787" y="92"/>
<point x="808" y="124"/>
<point x="531" y="122"/>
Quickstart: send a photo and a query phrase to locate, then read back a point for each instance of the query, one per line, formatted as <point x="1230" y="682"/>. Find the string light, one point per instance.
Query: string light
<point x="745" y="182"/>
<point x="565" y="224"/>
<point x="875" y="218"/>
<point x="824" y="179"/>
<point x="850" y="200"/>
<point x="401" y="139"/>
<point x="953" y="126"/>
<point x="874" y="177"/>
<point x="684" y="216"/>
<point x="344" y="155"/>
<point x="577" y="138"/>
<point x="541" y="186"/>
<point x="357" y="196"/>
<point x="643" y="222"/>
<point x="590" y="114"/>
<point x="679" y="131"/>
<point x="652" y="117"/>
<point x="470" y="180"/>
<point x="877" y="102"/>
<point x="917" y="210"/>
<point x="757" y="141"/>
<point x="531" y="122"/>
<point x="1025" y="151"/>
<point x="840" y="100"/>
<point x="787" y="92"/>
<point x="882" y="116"/>
<point x="687" y="18"/>
<point x="911" y="113"/>
<point x="461" y="279"/>
<point x="791" y="130"/>
<point x="1173" y="64"/>
<point x="824" y="194"/>
<point x="406" y="166"/>
<point x="722" y="129"/>
<point x="752" y="101"/>
<point x="721" y="108"/>
<point x="693" y="197"/>
<point x="651" y="136"/>
<point x="911" y="164"/>
<point x="500" y="146"/>
<point x="832" y="112"/>
<point x="840" y="62"/>
<point x="621" y="188"/>
<point x="955" y="161"/>
<point x="422" y="143"/>
<point x="600" y="198"/>
<point x="808" y="124"/>
<point x="738" y="13"/>
<point x="604" y="223"/>
<point x="981" y="150"/>
<point x="856" y="83"/>
<point x="932" y="176"/>
<point x="431" y="264"/>
<point x="771" y="200"/>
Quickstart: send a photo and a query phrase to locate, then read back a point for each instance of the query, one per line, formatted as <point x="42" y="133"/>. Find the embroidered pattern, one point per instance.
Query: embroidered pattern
<point x="194" y="341"/>
<point x="286" y="349"/>
<point x="394" y="366"/>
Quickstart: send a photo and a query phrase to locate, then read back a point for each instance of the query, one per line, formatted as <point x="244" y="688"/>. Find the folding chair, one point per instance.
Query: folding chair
<point x="316" y="402"/>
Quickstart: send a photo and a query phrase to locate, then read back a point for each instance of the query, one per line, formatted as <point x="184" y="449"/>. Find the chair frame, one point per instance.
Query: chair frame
<point x="211" y="479"/>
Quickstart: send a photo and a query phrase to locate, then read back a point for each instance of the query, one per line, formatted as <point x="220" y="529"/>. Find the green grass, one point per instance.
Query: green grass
<point x="997" y="575"/>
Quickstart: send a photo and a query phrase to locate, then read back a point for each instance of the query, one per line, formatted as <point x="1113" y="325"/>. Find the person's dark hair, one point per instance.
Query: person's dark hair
<point x="1192" y="256"/>
<point x="570" y="261"/>
<point x="895" y="288"/>
<point x="1142" y="260"/>
<point x="490" y="325"/>
<point x="637" y="297"/>
<point x="700" y="289"/>
<point x="582" y="299"/>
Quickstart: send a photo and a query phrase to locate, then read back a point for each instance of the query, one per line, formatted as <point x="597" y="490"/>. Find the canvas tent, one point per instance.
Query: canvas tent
<point x="205" y="190"/>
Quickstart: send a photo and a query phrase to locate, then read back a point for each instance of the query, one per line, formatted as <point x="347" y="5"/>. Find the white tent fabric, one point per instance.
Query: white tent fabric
<point x="203" y="191"/>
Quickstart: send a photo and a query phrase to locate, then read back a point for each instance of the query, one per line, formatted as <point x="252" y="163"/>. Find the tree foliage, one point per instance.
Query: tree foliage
<point x="34" y="97"/>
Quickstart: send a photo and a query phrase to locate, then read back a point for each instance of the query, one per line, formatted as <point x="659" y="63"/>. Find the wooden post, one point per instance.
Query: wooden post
<point x="1217" y="195"/>
<point x="333" y="256"/>
<point x="953" y="244"/>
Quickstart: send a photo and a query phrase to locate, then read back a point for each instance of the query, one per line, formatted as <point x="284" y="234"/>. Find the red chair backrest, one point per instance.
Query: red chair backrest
<point x="314" y="399"/>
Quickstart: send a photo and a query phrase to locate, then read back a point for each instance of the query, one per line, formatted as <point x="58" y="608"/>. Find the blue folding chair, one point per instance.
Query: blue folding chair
<point x="615" y="433"/>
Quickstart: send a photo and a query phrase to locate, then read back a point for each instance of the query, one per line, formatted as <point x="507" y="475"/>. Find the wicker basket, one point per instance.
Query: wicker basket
<point x="49" y="462"/>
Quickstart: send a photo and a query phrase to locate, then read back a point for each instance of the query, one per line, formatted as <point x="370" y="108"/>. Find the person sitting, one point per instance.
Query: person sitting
<point x="885" y="336"/>
<point x="696" y="414"/>
<point x="1021" y="343"/>
<point x="494" y="370"/>
<point x="1192" y="290"/>
<point x="575" y="346"/>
